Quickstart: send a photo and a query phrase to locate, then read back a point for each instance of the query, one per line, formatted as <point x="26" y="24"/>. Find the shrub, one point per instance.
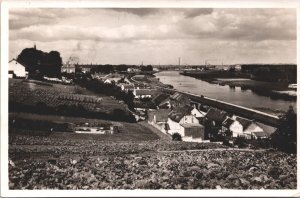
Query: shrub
<point x="176" y="137"/>
<point x="240" y="142"/>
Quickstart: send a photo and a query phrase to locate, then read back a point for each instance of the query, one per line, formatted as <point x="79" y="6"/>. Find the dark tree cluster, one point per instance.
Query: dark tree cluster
<point x="39" y="63"/>
<point x="105" y="69"/>
<point x="147" y="68"/>
<point x="285" y="138"/>
<point x="108" y="89"/>
<point x="272" y="73"/>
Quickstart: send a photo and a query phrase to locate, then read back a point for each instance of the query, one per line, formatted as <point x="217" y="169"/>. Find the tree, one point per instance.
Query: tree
<point x="285" y="138"/>
<point x="121" y="67"/>
<point x="48" y="64"/>
<point x="147" y="68"/>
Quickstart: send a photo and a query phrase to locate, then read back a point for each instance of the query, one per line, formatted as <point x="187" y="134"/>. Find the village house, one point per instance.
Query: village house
<point x="242" y="127"/>
<point x="175" y="100"/>
<point x="178" y="116"/>
<point x="126" y="87"/>
<point x="192" y="132"/>
<point x="16" y="69"/>
<point x="159" y="118"/>
<point x="111" y="80"/>
<point x="216" y="116"/>
<point x="68" y="68"/>
<point x="200" y="115"/>
<point x="143" y="93"/>
<point x="141" y="86"/>
<point x="159" y="99"/>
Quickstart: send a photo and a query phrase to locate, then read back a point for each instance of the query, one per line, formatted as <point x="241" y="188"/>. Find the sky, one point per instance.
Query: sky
<point x="157" y="36"/>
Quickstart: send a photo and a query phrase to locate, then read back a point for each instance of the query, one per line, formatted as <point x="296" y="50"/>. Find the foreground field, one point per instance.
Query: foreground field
<point x="56" y="163"/>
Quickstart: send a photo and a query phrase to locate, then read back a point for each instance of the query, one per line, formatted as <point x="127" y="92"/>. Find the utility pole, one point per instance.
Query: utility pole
<point x="179" y="61"/>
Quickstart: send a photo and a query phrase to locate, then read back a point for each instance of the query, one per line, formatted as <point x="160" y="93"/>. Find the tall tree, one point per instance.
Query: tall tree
<point x="37" y="61"/>
<point x="285" y="138"/>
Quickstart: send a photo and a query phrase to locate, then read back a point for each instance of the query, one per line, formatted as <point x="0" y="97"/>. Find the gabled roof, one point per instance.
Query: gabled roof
<point x="191" y="125"/>
<point x="179" y="112"/>
<point x="178" y="96"/>
<point x="267" y="129"/>
<point x="244" y="122"/>
<point x="216" y="115"/>
<point x="157" y="100"/>
<point x="160" y="114"/>
<point x="228" y="122"/>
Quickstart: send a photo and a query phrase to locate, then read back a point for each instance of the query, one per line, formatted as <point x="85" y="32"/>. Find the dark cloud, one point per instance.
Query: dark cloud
<point x="138" y="11"/>
<point x="194" y="12"/>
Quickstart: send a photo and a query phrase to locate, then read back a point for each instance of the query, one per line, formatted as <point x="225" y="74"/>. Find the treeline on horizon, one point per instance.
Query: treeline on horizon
<point x="271" y="72"/>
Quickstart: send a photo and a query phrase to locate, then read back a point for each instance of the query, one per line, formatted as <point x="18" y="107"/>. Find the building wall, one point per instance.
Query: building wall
<point x="175" y="127"/>
<point x="189" y="119"/>
<point x="236" y="128"/>
<point x="196" y="113"/>
<point x="17" y="68"/>
<point x="253" y="128"/>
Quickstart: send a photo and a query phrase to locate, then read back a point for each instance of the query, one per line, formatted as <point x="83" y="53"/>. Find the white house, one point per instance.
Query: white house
<point x="243" y="127"/>
<point x="143" y="93"/>
<point x="200" y="115"/>
<point x="17" y="69"/>
<point x="192" y="132"/>
<point x="179" y="116"/>
<point x="127" y="87"/>
<point x="158" y="118"/>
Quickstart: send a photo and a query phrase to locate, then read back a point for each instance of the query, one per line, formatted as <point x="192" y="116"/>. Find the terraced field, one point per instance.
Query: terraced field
<point x="56" y="163"/>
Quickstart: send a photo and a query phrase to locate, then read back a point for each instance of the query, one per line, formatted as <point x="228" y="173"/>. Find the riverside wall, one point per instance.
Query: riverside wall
<point x="245" y="112"/>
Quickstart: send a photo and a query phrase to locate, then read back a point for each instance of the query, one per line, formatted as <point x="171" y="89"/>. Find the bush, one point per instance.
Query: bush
<point x="176" y="137"/>
<point x="240" y="142"/>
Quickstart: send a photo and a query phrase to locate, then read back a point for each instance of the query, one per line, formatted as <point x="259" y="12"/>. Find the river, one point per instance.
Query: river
<point x="245" y="98"/>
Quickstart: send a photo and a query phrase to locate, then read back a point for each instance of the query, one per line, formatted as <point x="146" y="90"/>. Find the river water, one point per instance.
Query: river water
<point x="245" y="98"/>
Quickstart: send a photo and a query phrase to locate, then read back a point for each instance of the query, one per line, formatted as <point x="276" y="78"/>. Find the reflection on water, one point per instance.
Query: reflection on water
<point x="233" y="95"/>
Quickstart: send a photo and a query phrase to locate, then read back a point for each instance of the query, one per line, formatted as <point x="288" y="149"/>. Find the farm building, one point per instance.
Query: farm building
<point x="127" y="87"/>
<point x="216" y="116"/>
<point x="68" y="68"/>
<point x="180" y="115"/>
<point x="244" y="127"/>
<point x="159" y="118"/>
<point x="192" y="132"/>
<point x="143" y="93"/>
<point x="16" y="69"/>
<point x="159" y="99"/>
<point x="200" y="115"/>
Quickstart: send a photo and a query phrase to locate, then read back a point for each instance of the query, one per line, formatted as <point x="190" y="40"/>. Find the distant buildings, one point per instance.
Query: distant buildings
<point x="68" y="68"/>
<point x="16" y="69"/>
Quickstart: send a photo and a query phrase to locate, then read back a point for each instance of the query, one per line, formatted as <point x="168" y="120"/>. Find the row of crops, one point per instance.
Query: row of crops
<point x="70" y="164"/>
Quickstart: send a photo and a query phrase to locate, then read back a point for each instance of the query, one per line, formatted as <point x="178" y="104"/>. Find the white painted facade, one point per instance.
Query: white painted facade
<point x="17" y="68"/>
<point x="175" y="127"/>
<point x="197" y="113"/>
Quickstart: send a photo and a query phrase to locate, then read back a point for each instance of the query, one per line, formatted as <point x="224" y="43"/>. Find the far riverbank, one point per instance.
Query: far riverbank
<point x="237" y="95"/>
<point x="274" y="90"/>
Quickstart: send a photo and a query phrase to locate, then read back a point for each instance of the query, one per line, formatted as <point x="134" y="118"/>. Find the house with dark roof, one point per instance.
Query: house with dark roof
<point x="159" y="99"/>
<point x="192" y="132"/>
<point x="176" y="100"/>
<point x="159" y="119"/>
<point x="216" y="116"/>
<point x="126" y="87"/>
<point x="179" y="116"/>
<point x="243" y="127"/>
<point x="143" y="93"/>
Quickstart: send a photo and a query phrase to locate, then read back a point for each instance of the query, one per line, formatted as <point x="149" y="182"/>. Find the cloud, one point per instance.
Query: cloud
<point x="138" y="11"/>
<point x="101" y="35"/>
